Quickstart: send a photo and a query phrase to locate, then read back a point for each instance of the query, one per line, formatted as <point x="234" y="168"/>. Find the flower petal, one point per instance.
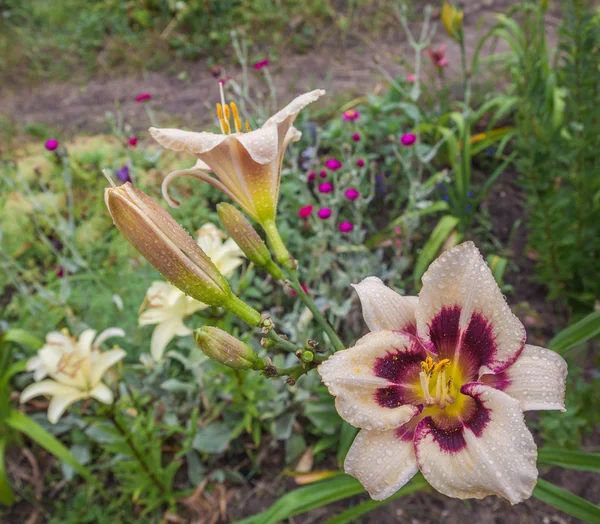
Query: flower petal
<point x="103" y="362"/>
<point x="261" y="144"/>
<point x="108" y="333"/>
<point x="493" y="453"/>
<point x="161" y="336"/>
<point x="381" y="461"/>
<point x="85" y="341"/>
<point x="462" y="313"/>
<point x="537" y="379"/>
<point x="368" y="380"/>
<point x="102" y="393"/>
<point x="295" y="106"/>
<point x="61" y="402"/>
<point x="189" y="141"/>
<point x="45" y="387"/>
<point x="384" y="309"/>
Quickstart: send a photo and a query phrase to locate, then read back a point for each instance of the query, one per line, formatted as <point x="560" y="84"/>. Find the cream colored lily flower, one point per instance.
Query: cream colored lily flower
<point x="75" y="367"/>
<point x="441" y="383"/>
<point x="167" y="306"/>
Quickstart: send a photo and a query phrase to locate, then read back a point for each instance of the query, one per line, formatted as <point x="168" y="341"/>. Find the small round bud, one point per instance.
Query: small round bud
<point x="307" y="356"/>
<point x="226" y="349"/>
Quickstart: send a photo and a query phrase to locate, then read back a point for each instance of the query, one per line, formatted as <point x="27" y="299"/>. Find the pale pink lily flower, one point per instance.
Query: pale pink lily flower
<point x="247" y="164"/>
<point x="440" y="385"/>
<point x="75" y="368"/>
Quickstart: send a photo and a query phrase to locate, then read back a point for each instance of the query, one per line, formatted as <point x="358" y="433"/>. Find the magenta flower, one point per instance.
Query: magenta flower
<point x="51" y="145"/>
<point x="304" y="288"/>
<point x="323" y="174"/>
<point x="324" y="213"/>
<point x="350" y="115"/>
<point x="333" y="164"/>
<point x="133" y="141"/>
<point x="325" y="187"/>
<point x="261" y="63"/>
<point x="310" y="176"/>
<point x="360" y="162"/>
<point x="142" y="97"/>
<point x="408" y="139"/>
<point x="346" y="227"/>
<point x="224" y="80"/>
<point x="411" y="78"/>
<point x="305" y="211"/>
<point x="438" y="56"/>
<point x="352" y="194"/>
<point x="356" y="137"/>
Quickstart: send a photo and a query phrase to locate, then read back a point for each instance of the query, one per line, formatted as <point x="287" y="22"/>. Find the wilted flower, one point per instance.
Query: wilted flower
<point x="171" y="250"/>
<point x="226" y="349"/>
<point x="356" y="137"/>
<point x="247" y="164"/>
<point x="440" y="385"/>
<point x="438" y="56"/>
<point x="311" y="176"/>
<point x="142" y="97"/>
<point x="133" y="141"/>
<point x="261" y="63"/>
<point x="351" y="194"/>
<point x="333" y="164"/>
<point x="325" y="187"/>
<point x="452" y="18"/>
<point x="324" y="213"/>
<point x="51" y="145"/>
<point x="167" y="306"/>
<point x="408" y="139"/>
<point x="123" y="174"/>
<point x="351" y="114"/>
<point x="346" y="227"/>
<point x="75" y="367"/>
<point x="305" y="211"/>
<point x="360" y="162"/>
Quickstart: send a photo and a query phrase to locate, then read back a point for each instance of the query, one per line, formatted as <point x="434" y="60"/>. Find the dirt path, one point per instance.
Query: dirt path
<point x="69" y="108"/>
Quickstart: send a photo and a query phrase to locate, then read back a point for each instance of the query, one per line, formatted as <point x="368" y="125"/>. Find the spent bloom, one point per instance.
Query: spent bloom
<point x="438" y="56"/>
<point x="132" y="141"/>
<point x="346" y="227"/>
<point x="408" y="139"/>
<point x="51" y="145"/>
<point x="325" y="187"/>
<point x="142" y="97"/>
<point x="441" y="383"/>
<point x="261" y="63"/>
<point x="247" y="164"/>
<point x="351" y="194"/>
<point x="351" y="114"/>
<point x="167" y="307"/>
<point x="74" y="368"/>
<point x="305" y="211"/>
<point x="333" y="164"/>
<point x="324" y="213"/>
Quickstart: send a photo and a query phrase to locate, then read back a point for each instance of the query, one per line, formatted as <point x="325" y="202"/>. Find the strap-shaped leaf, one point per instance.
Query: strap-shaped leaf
<point x="6" y="494"/>
<point x="576" y="334"/>
<point x="566" y="501"/>
<point x="570" y="459"/>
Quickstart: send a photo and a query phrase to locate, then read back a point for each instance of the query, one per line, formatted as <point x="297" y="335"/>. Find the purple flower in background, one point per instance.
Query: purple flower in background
<point x="51" y="145"/>
<point x="324" y="213"/>
<point x="142" y="97"/>
<point x="352" y="194"/>
<point x="323" y="173"/>
<point x="123" y="174"/>
<point x="351" y="114"/>
<point x="261" y="63"/>
<point x="325" y="187"/>
<point x="360" y="162"/>
<point x="356" y="137"/>
<point x="408" y="139"/>
<point x="333" y="164"/>
<point x="346" y="227"/>
<point x="311" y="176"/>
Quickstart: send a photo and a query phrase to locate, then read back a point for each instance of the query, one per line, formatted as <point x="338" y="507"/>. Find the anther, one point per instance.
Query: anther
<point x="248" y="128"/>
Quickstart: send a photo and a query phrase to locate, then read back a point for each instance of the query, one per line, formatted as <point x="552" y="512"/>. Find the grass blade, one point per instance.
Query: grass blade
<point x="570" y="459"/>
<point x="576" y="334"/>
<point x="567" y="502"/>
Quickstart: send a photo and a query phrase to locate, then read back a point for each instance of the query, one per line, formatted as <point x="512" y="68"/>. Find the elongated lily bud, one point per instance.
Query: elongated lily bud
<point x="248" y="239"/>
<point x="171" y="250"/>
<point x="452" y="18"/>
<point x="226" y="349"/>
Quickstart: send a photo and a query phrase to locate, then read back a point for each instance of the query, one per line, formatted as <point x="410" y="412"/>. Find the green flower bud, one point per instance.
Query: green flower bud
<point x="245" y="236"/>
<point x="226" y="349"/>
<point x="171" y="250"/>
<point x="308" y="356"/>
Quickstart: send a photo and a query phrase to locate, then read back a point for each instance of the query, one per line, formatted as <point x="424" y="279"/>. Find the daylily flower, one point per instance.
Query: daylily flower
<point x="75" y="367"/>
<point x="167" y="306"/>
<point x="440" y="385"/>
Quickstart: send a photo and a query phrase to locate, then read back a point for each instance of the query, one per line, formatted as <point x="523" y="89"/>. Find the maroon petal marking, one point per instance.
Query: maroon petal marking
<point x="444" y="332"/>
<point x="395" y="396"/>
<point x="500" y="381"/>
<point x="406" y="432"/>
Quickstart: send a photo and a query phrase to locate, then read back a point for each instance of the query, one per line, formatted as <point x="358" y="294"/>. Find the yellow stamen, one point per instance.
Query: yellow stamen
<point x="220" y="117"/>
<point x="227" y="112"/>
<point x="441" y="365"/>
<point x="248" y="128"/>
<point x="236" y="117"/>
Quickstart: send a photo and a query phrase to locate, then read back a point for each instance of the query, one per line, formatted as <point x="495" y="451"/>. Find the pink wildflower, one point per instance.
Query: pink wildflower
<point x="408" y="139"/>
<point x="305" y="211"/>
<point x="323" y="173"/>
<point x="310" y="176"/>
<point x="325" y="187"/>
<point x="350" y="115"/>
<point x="438" y="56"/>
<point x="324" y="213"/>
<point x="261" y="63"/>
<point x="411" y="78"/>
<point x="356" y="137"/>
<point x="142" y="97"/>
<point x="346" y="227"/>
<point x="352" y="194"/>
<point x="133" y="141"/>
<point x="51" y="144"/>
<point x="360" y="162"/>
<point x="333" y="164"/>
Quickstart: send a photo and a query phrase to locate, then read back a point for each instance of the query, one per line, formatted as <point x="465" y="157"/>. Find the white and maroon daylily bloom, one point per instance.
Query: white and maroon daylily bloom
<point x="247" y="163"/>
<point x="440" y="385"/>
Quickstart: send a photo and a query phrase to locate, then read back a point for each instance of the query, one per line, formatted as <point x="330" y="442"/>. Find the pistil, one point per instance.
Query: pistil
<point x="443" y="385"/>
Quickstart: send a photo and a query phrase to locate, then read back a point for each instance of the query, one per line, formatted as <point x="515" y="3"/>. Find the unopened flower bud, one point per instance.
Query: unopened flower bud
<point x="171" y="250"/>
<point x="247" y="238"/>
<point x="452" y="18"/>
<point x="308" y="356"/>
<point x="226" y="349"/>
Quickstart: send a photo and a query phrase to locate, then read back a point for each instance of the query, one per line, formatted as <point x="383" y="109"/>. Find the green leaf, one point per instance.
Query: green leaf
<point x="441" y="232"/>
<point x="576" y="334"/>
<point x="498" y="267"/>
<point x="214" y="438"/>
<point x="416" y="484"/>
<point x="6" y="494"/>
<point x="20" y="336"/>
<point x="347" y="435"/>
<point x="566" y="501"/>
<point x="21" y="422"/>
<point x="570" y="459"/>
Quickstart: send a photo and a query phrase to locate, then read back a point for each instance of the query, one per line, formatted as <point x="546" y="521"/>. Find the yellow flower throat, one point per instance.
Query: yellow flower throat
<point x="436" y="391"/>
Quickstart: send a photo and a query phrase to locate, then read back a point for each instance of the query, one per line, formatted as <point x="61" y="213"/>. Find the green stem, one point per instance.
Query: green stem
<point x="321" y="320"/>
<point x="281" y="343"/>
<point x="277" y="245"/>
<point x="243" y="310"/>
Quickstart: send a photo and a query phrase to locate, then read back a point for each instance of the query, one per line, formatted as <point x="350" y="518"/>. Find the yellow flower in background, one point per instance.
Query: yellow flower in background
<point x="167" y="307"/>
<point x="452" y="18"/>
<point x="75" y="367"/>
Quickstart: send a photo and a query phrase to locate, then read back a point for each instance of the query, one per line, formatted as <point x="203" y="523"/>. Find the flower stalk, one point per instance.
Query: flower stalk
<point x="277" y="245"/>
